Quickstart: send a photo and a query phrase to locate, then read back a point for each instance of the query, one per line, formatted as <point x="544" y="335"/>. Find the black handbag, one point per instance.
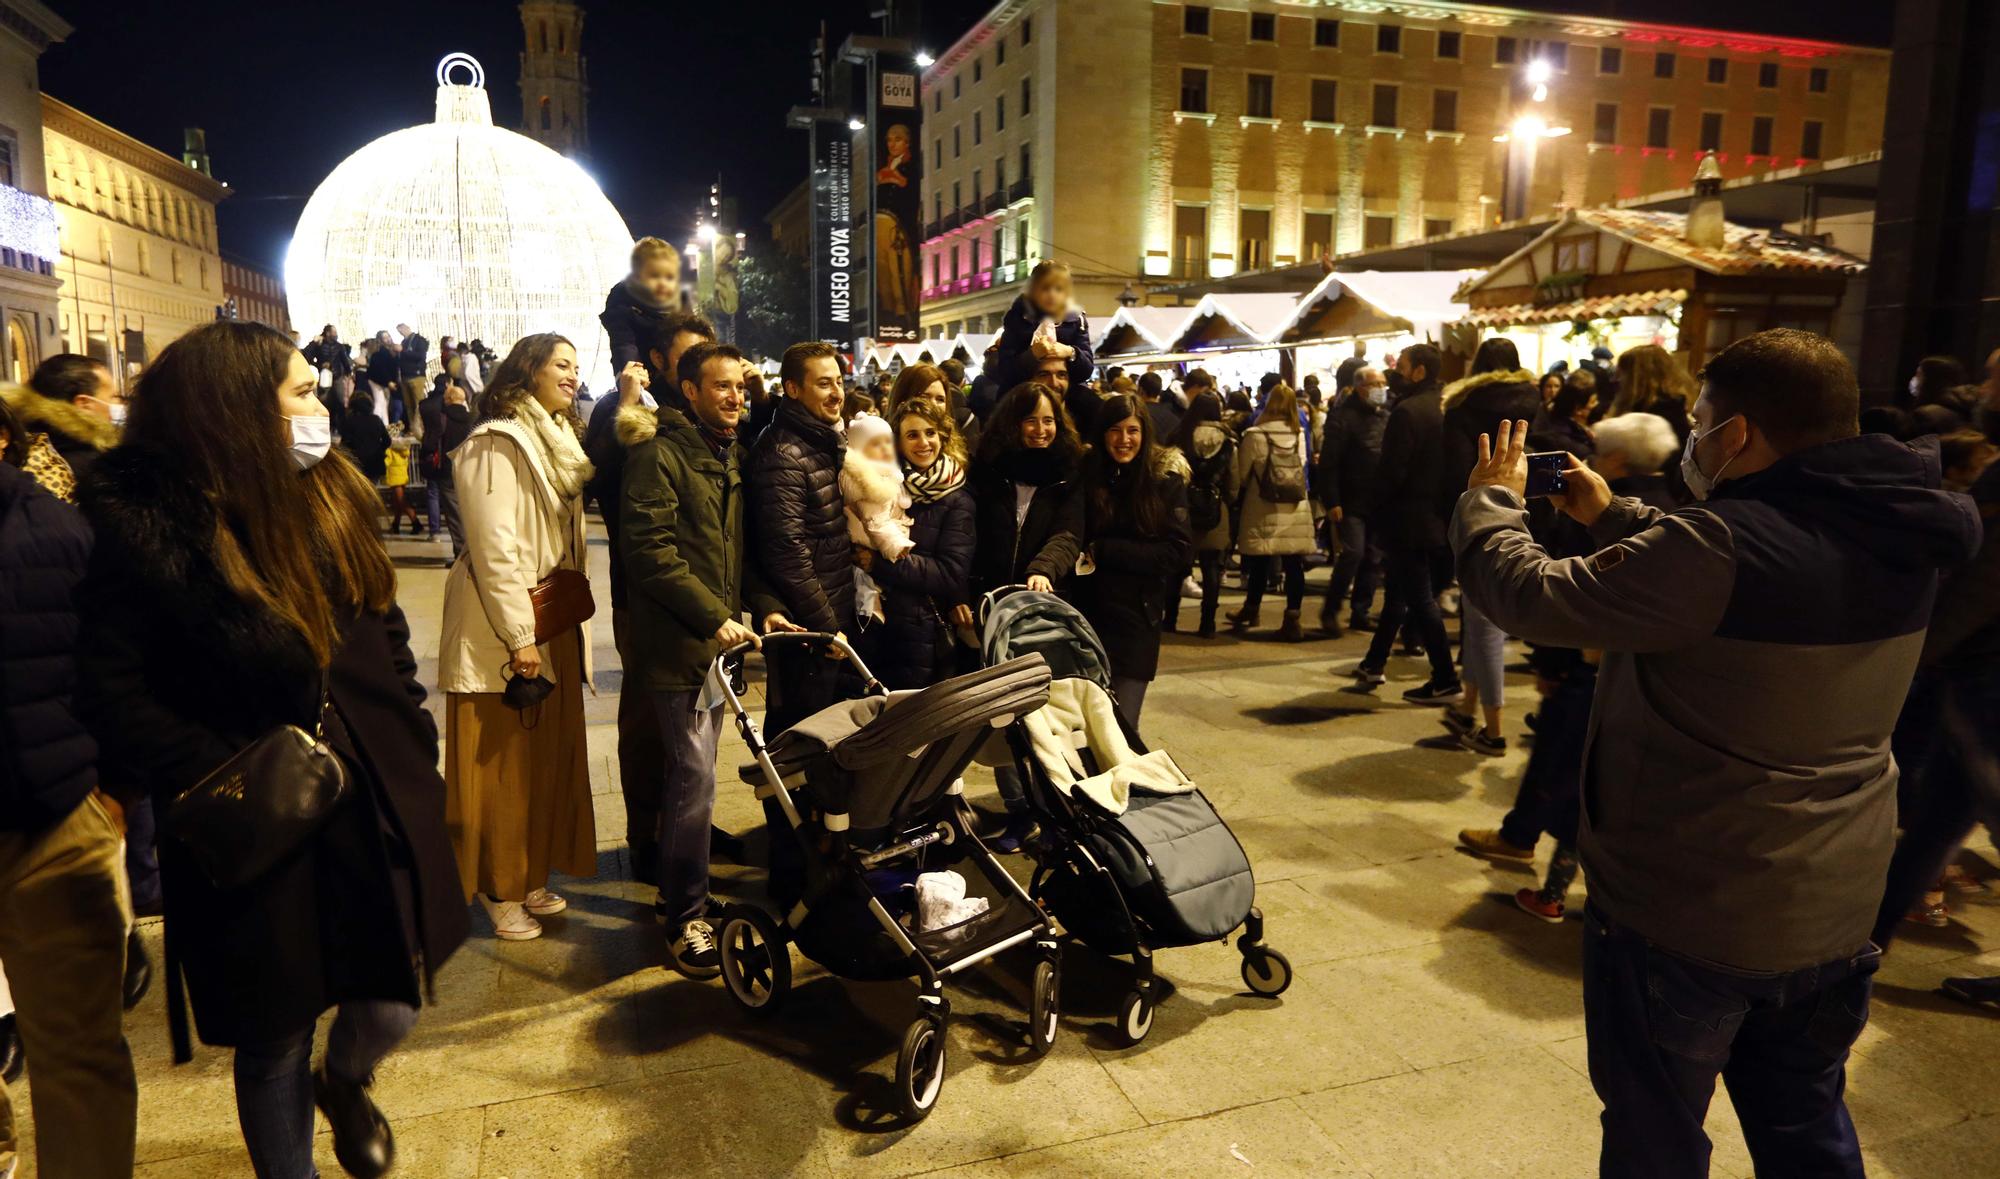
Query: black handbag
<point x="254" y="809"/>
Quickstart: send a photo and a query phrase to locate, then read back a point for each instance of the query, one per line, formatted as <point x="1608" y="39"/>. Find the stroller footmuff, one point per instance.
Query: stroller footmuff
<point x="872" y="790"/>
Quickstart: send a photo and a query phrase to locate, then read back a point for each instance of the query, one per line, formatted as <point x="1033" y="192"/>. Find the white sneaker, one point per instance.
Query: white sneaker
<point x="543" y="903"/>
<point x="1190" y="588"/>
<point x="693" y="953"/>
<point x="511" y="920"/>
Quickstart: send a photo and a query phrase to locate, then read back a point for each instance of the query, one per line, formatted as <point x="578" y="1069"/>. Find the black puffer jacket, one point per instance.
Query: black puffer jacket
<point x="1474" y="406"/>
<point x="798" y="521"/>
<point x="1349" y="454"/>
<point x="1043" y="544"/>
<point x="1404" y="507"/>
<point x="919" y="591"/>
<point x="1126" y="596"/>
<point x="48" y="762"/>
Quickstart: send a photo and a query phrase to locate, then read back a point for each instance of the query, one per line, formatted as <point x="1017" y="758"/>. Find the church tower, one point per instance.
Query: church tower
<point x="554" y="82"/>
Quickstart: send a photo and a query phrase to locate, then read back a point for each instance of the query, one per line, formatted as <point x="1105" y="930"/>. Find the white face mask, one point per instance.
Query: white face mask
<point x="1376" y="394"/>
<point x="117" y="413"/>
<point x="1691" y="473"/>
<point x="311" y="439"/>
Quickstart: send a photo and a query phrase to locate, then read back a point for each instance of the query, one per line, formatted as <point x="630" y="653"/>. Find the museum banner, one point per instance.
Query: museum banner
<point x="895" y="128"/>
<point x="833" y="233"/>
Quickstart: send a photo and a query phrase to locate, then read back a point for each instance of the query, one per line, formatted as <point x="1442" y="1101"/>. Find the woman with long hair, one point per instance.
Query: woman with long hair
<point x="924" y="382"/>
<point x="517" y="778"/>
<point x="1137" y="541"/>
<point x="238" y="585"/>
<point x="1653" y="380"/>
<point x="1209" y="448"/>
<point x="1270" y="464"/>
<point x="925" y="592"/>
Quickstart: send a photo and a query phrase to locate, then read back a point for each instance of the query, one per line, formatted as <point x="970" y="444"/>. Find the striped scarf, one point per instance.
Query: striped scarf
<point x="941" y="478"/>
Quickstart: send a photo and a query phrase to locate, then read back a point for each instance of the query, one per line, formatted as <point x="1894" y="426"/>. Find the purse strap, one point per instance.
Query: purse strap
<point x="325" y="698"/>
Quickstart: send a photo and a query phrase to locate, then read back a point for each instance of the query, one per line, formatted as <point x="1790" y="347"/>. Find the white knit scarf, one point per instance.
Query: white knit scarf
<point x="569" y="467"/>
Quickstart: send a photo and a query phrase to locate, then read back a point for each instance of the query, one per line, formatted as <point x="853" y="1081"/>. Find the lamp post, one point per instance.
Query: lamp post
<point x="1534" y="120"/>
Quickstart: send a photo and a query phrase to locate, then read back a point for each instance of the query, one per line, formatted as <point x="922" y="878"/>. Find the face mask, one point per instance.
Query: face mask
<point x="1376" y="394"/>
<point x="117" y="413"/>
<point x="1395" y="380"/>
<point x="311" y="439"/>
<point x="1699" y="483"/>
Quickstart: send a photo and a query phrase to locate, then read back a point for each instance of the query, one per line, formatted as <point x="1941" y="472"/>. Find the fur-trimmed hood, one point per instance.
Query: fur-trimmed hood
<point x="865" y="483"/>
<point x="1168" y="460"/>
<point x="1210" y="437"/>
<point x="1463" y="388"/>
<point x="39" y="413"/>
<point x="635" y="424"/>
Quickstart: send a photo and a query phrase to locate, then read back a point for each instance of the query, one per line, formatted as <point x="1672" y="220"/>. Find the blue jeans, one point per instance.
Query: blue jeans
<point x="688" y="735"/>
<point x="441" y="497"/>
<point x="1662" y="1028"/>
<point x="1484" y="646"/>
<point x="274" y="1092"/>
<point x="1409" y="592"/>
<point x="1358" y="566"/>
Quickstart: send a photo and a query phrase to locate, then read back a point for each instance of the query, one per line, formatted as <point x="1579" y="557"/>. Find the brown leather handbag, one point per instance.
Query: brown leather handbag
<point x="562" y="600"/>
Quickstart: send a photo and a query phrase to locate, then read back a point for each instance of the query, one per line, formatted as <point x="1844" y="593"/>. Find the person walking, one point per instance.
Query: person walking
<point x="1137" y="542"/>
<point x="63" y="913"/>
<point x="1735" y="854"/>
<point x="518" y="783"/>
<point x="1497" y="390"/>
<point x="1209" y="449"/>
<point x="683" y="519"/>
<point x="447" y="415"/>
<point x="1350" y="450"/>
<point x="1277" y="513"/>
<point x="1405" y="509"/>
<point x="253" y="548"/>
<point x="413" y="358"/>
<point x="926" y="591"/>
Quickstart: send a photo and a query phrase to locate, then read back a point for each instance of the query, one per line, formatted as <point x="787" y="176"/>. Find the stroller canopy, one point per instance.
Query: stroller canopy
<point x="1029" y="623"/>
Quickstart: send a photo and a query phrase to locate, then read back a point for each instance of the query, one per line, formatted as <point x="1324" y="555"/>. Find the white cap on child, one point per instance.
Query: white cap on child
<point x="865" y="428"/>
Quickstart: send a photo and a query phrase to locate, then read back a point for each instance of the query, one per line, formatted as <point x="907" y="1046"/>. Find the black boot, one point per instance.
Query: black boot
<point x="1207" y="621"/>
<point x="12" y="1059"/>
<point x="362" y="1141"/>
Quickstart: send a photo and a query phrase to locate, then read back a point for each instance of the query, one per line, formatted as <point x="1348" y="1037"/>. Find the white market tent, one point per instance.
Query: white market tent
<point x="1377" y="302"/>
<point x="1140" y="330"/>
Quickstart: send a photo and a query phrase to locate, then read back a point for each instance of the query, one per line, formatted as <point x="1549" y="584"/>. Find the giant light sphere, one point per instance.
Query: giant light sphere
<point x="459" y="228"/>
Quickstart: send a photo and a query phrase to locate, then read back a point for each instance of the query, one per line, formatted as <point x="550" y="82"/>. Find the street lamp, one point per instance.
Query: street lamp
<point x="1534" y="120"/>
<point x="1128" y="297"/>
<point x="855" y="124"/>
<point x="924" y="60"/>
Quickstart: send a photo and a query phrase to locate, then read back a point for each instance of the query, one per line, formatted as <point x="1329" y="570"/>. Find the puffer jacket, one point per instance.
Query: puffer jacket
<point x="1043" y="544"/>
<point x="919" y="591"/>
<point x="1125" y="597"/>
<point x="1270" y="528"/>
<point x="798" y="521"/>
<point x="1477" y="405"/>
<point x="1349" y="451"/>
<point x="48" y="762"/>
<point x="78" y="436"/>
<point x="1213" y="464"/>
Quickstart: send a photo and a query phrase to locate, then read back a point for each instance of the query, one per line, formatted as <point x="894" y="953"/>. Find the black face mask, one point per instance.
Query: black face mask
<point x="1397" y="382"/>
<point x="523" y="693"/>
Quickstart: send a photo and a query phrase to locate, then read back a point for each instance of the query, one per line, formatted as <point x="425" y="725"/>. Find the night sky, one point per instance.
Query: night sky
<point x="681" y="90"/>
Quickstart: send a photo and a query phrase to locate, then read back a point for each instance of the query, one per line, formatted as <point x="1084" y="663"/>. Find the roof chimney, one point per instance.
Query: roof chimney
<point x="1704" y="219"/>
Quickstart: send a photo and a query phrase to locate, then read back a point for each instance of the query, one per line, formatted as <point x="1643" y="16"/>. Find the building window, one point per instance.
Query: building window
<point x="1760" y="135"/>
<point x="975" y="128"/>
<point x="1021" y="239"/>
<point x="978" y="70"/>
<point x="1026" y="171"/>
<point x="1505" y="50"/>
<point x="1556" y="53"/>
<point x="1659" y="126"/>
<point x="1191" y="240"/>
<point x="545" y="112"/>
<point x="957" y="195"/>
<point x="1194" y="90"/>
<point x="1263" y="26"/>
<point x="955" y="141"/>
<point x="999" y="53"/>
<point x="1816" y="80"/>
<point x="7" y="155"/>
<point x="1604" y="126"/>
<point x="1767" y="75"/>
<point x="1377" y="229"/>
<point x="1610" y="60"/>
<point x="1718" y="71"/>
<point x="937" y="150"/>
<point x="978" y="184"/>
<point x="999" y="174"/>
<point x="1260" y="103"/>
<point x="937" y="205"/>
<point x="1448" y="45"/>
<point x="1444" y="110"/>
<point x="1194" y="21"/>
<point x="1000" y="113"/>
<point x="1318" y="240"/>
<point x="1436" y="226"/>
<point x="957" y="86"/>
<point x="1663" y="65"/>
<point x="1325" y="101"/>
<point x="1388" y="38"/>
<point x="1027" y="96"/>
<point x="1326" y="33"/>
<point x="1253" y="250"/>
<point x="1384" y="113"/>
<point x="1027" y="29"/>
<point x="1711" y="131"/>
<point x="937" y="101"/>
<point x="1809" y="141"/>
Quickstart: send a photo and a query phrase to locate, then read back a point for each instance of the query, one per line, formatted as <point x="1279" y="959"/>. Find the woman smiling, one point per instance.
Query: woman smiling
<point x="925" y="591"/>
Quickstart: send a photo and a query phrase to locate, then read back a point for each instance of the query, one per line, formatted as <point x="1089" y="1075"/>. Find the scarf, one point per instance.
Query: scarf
<point x="1036" y="468"/>
<point x="718" y="441"/>
<point x="569" y="467"/>
<point x="936" y="481"/>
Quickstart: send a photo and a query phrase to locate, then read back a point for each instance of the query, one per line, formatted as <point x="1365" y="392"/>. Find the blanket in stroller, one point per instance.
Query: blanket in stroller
<point x="1081" y="715"/>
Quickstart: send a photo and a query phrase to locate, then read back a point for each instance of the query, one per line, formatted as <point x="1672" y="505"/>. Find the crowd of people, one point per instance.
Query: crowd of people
<point x="218" y="713"/>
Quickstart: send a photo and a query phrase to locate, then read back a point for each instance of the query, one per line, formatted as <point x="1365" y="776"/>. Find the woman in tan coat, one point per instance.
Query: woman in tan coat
<point x="517" y="781"/>
<point x="1277" y="516"/>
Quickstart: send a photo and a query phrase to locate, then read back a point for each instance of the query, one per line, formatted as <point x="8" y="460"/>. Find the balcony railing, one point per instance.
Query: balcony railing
<point x="1021" y="189"/>
<point x="994" y="202"/>
<point x="949" y="222"/>
<point x="932" y="229"/>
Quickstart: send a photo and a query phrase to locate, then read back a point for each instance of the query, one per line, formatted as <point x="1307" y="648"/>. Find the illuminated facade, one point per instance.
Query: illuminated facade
<point x="513" y="241"/>
<point x="29" y="244"/>
<point x="139" y="262"/>
<point x="1146" y="142"/>
<point x="255" y="295"/>
<point x="555" y="83"/>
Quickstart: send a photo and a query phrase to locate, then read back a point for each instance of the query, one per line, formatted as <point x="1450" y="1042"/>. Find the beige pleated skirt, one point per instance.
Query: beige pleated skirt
<point x="517" y="785"/>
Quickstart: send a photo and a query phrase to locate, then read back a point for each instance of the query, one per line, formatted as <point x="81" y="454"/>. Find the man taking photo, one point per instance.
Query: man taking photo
<point x="1739" y="798"/>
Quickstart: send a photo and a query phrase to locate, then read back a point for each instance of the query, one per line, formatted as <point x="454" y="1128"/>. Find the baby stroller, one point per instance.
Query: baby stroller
<point x="1131" y="858"/>
<point x="871" y="789"/>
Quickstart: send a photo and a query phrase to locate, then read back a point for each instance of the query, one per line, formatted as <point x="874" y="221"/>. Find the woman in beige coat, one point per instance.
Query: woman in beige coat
<point x="517" y="782"/>
<point x="1270" y="464"/>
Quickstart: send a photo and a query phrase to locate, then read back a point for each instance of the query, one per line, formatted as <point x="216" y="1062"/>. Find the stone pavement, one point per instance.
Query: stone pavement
<point x="1432" y="1029"/>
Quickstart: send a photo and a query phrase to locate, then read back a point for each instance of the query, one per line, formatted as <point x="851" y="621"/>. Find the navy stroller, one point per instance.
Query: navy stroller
<point x="1131" y="856"/>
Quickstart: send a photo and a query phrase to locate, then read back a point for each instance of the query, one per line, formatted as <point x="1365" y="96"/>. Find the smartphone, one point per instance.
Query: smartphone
<point x="1546" y="473"/>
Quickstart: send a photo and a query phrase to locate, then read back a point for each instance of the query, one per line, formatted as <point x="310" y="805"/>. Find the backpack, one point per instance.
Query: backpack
<point x="1283" y="479"/>
<point x="1204" y="494"/>
<point x="431" y="458"/>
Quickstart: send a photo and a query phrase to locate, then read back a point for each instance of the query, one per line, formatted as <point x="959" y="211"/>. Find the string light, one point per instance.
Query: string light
<point x="459" y="228"/>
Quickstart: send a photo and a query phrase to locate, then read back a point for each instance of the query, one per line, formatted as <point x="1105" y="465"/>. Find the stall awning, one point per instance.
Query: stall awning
<point x="1422" y="299"/>
<point x="1578" y="310"/>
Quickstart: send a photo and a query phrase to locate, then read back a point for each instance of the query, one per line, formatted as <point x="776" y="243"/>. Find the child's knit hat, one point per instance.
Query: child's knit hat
<point x="865" y="428"/>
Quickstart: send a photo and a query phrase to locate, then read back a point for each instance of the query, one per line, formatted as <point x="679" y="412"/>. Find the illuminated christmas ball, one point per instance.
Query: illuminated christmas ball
<point x="459" y="228"/>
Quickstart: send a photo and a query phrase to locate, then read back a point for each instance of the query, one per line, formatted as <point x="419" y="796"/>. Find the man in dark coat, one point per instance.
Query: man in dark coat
<point x="74" y="400"/>
<point x="62" y="913"/>
<point x="447" y="419"/>
<point x="684" y="540"/>
<point x="411" y="363"/>
<point x="1349" y="454"/>
<point x="1406" y="512"/>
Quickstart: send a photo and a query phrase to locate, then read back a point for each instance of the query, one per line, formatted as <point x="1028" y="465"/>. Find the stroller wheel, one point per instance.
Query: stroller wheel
<point x="1135" y="1017"/>
<point x="1044" y="1013"/>
<point x="1265" y="971"/>
<point x="756" y="962"/>
<point x="920" y="1068"/>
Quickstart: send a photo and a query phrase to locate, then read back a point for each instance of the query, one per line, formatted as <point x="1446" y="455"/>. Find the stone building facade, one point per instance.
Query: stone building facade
<point x="554" y="81"/>
<point x="1155" y="143"/>
<point x="30" y="246"/>
<point x="255" y="295"/>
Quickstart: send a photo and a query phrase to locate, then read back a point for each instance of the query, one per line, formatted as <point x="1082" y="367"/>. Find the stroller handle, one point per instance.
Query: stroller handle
<point x="993" y="595"/>
<point x="818" y="641"/>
